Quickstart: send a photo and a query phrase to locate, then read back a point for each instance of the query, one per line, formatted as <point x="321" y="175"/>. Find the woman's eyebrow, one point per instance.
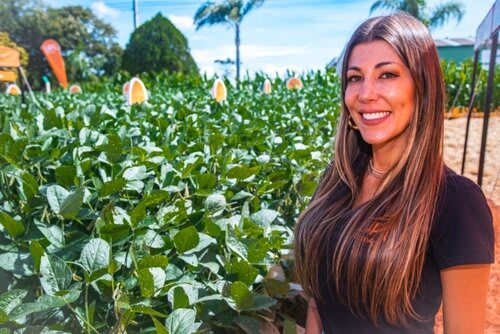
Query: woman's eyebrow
<point x="356" y="68"/>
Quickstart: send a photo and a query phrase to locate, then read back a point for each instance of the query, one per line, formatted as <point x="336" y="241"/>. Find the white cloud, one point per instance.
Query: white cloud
<point x="102" y="10"/>
<point x="182" y="22"/>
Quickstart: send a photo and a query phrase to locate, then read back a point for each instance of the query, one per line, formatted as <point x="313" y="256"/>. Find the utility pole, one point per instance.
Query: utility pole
<point x="135" y="6"/>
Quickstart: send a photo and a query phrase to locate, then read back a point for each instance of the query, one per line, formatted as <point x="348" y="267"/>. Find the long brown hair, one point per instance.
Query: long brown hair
<point x="375" y="264"/>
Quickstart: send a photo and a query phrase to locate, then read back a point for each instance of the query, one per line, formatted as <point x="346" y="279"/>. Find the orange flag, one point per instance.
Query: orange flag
<point x="52" y="52"/>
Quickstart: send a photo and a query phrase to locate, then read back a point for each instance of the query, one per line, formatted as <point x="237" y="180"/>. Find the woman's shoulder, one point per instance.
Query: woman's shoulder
<point x="463" y="233"/>
<point x="461" y="201"/>
<point x="458" y="188"/>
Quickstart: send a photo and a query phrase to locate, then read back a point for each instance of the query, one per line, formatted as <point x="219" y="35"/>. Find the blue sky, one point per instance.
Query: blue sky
<point x="282" y="34"/>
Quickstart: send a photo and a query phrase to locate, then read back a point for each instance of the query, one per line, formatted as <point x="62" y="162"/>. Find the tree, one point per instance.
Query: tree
<point x="82" y="37"/>
<point x="431" y="17"/>
<point x="157" y="45"/>
<point x="229" y="12"/>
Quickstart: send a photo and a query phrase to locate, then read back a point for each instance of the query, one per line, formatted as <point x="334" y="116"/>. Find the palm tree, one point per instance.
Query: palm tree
<point x="431" y="17"/>
<point x="229" y="12"/>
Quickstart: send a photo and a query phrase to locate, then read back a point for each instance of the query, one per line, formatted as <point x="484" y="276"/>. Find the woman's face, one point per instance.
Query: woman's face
<point x="380" y="93"/>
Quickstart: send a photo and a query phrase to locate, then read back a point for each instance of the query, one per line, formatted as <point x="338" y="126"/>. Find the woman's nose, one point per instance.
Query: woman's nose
<point x="367" y="90"/>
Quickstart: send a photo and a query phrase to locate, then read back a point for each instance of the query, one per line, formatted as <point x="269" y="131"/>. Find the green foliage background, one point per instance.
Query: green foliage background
<point x="157" y="45"/>
<point x="173" y="216"/>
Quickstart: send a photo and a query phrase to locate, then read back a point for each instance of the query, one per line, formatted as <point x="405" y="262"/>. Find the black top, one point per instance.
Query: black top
<point x="462" y="234"/>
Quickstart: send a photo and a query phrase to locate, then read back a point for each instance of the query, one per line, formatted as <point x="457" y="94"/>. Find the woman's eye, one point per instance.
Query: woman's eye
<point x="354" y="78"/>
<point x="388" y="75"/>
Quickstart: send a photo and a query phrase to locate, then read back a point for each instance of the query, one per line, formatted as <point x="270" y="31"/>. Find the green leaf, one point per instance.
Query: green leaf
<point x="113" y="148"/>
<point x="215" y="203"/>
<point x="17" y="263"/>
<point x="234" y="245"/>
<point x="190" y="259"/>
<point x="241" y="295"/>
<point x="136" y="173"/>
<point x="276" y="287"/>
<point x="248" y="324"/>
<point x="146" y="282"/>
<point x="44" y="303"/>
<point x="186" y="239"/>
<point x="10" y="299"/>
<point x="181" y="299"/>
<point x="114" y="231"/>
<point x="37" y="252"/>
<point x="159" y="277"/>
<point x="113" y="186"/>
<point x="64" y="203"/>
<point x="156" y="197"/>
<point x="215" y="141"/>
<point x="261" y="302"/>
<point x="53" y="234"/>
<point x="3" y="317"/>
<point x="72" y="204"/>
<point x="30" y="186"/>
<point x="147" y="310"/>
<point x="207" y="181"/>
<point x="14" y="227"/>
<point x="240" y="195"/>
<point x="55" y="274"/>
<point x="242" y="172"/>
<point x="65" y="175"/>
<point x="56" y="196"/>
<point x="150" y="261"/>
<point x="153" y="240"/>
<point x="245" y="272"/>
<point x="289" y="327"/>
<point x="264" y="217"/>
<point x="181" y="321"/>
<point x="160" y="329"/>
<point x="95" y="255"/>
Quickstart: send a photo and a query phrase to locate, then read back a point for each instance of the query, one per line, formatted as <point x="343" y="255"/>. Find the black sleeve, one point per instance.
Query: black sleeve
<point x="464" y="232"/>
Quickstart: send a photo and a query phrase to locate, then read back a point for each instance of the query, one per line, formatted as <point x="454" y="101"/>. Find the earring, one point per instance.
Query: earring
<point x="351" y="123"/>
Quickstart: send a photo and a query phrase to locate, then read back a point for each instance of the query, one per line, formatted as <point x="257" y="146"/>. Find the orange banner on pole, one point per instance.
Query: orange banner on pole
<point x="52" y="51"/>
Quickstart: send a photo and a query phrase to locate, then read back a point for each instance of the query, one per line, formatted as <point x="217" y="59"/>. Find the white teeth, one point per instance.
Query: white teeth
<point x="375" y="115"/>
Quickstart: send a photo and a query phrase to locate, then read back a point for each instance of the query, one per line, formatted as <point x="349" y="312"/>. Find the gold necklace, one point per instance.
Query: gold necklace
<point x="375" y="172"/>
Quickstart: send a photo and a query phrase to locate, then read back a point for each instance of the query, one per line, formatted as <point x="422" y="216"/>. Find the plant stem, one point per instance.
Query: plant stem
<point x="87" y="306"/>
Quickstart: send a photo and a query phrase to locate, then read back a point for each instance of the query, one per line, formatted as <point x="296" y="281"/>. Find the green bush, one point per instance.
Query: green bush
<point x="158" y="46"/>
<point x="458" y="79"/>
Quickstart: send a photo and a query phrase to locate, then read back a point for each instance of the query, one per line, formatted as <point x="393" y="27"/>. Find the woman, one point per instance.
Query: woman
<point x="391" y="232"/>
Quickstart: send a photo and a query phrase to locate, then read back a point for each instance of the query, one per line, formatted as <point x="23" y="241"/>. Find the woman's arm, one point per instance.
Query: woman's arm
<point x="313" y="324"/>
<point x="465" y="290"/>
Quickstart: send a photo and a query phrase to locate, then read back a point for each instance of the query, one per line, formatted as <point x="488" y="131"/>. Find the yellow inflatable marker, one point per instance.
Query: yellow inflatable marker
<point x="219" y="91"/>
<point x="75" y="89"/>
<point x="125" y="88"/>
<point x="137" y="92"/>
<point x="294" y="83"/>
<point x="13" y="89"/>
<point x="267" y="86"/>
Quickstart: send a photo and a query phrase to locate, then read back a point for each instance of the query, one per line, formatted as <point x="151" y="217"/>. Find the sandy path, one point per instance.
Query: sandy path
<point x="453" y="150"/>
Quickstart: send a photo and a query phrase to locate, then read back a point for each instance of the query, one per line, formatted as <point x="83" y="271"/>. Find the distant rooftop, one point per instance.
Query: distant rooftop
<point x="454" y="42"/>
